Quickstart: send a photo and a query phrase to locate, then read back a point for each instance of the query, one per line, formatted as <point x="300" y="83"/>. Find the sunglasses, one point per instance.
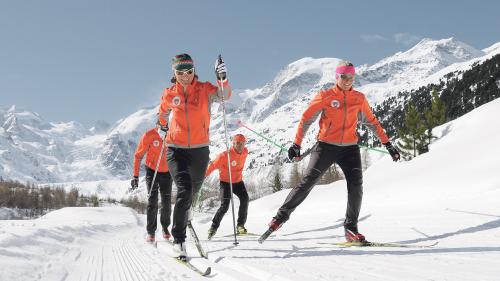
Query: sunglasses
<point x="184" y="72"/>
<point x="346" y="76"/>
<point x="239" y="142"/>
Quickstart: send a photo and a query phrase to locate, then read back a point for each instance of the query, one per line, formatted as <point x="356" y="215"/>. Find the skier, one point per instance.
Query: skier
<point x="151" y="144"/>
<point x="185" y="115"/>
<point x="238" y="155"/>
<point x="339" y="108"/>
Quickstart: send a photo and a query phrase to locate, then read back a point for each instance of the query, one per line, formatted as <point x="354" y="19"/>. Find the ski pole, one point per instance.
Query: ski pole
<point x="228" y="156"/>
<point x="373" y="148"/>
<point x="157" y="165"/>
<point x="282" y="148"/>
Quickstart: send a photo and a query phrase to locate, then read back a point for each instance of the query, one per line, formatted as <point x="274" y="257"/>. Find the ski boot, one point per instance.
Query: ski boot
<point x="179" y="249"/>
<point x="150" y="238"/>
<point x="241" y="230"/>
<point x="166" y="235"/>
<point x="352" y="235"/>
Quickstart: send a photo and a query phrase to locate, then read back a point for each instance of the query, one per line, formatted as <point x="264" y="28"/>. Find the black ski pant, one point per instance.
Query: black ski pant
<point x="187" y="167"/>
<point x="163" y="183"/>
<point x="323" y="155"/>
<point x="239" y="190"/>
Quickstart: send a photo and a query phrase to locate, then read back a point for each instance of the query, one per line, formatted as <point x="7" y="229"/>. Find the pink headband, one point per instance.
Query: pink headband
<point x="345" y="69"/>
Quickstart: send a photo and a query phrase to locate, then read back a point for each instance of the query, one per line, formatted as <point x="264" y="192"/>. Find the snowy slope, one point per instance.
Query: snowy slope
<point x="429" y="199"/>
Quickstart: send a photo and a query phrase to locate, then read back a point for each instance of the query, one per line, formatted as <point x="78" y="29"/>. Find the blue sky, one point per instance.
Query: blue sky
<point x="103" y="59"/>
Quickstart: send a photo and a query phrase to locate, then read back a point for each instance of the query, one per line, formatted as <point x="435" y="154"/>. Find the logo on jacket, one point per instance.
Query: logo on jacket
<point x="234" y="163"/>
<point x="176" y="101"/>
<point x="156" y="143"/>
<point x="335" y="104"/>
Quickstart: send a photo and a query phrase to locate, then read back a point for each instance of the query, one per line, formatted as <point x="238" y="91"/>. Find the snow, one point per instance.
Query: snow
<point x="409" y="70"/>
<point x="448" y="195"/>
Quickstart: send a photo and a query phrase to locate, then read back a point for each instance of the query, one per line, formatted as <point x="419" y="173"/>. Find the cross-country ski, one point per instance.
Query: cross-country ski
<point x="378" y="244"/>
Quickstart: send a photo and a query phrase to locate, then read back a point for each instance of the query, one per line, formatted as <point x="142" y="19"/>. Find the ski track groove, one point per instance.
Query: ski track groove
<point x="121" y="260"/>
<point x="127" y="264"/>
<point x="141" y="270"/>
<point x="119" y="264"/>
<point x="124" y="267"/>
<point x="119" y="274"/>
<point x="137" y="262"/>
<point x="102" y="262"/>
<point x="147" y="267"/>
<point x="93" y="262"/>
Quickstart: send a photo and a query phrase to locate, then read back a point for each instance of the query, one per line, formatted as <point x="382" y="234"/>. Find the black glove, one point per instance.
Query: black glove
<point x="294" y="151"/>
<point x="220" y="69"/>
<point x="392" y="151"/>
<point x="164" y="128"/>
<point x="134" y="183"/>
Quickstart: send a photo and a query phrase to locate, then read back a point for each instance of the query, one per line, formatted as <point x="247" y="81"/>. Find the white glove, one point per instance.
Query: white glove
<point x="220" y="69"/>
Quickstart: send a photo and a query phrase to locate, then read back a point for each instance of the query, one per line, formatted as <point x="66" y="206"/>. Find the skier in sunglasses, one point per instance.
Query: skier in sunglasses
<point x="185" y="116"/>
<point x="339" y="108"/>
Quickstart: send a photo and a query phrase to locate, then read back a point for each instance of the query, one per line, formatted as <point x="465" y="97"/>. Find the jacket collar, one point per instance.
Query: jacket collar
<point x="178" y="86"/>
<point x="339" y="90"/>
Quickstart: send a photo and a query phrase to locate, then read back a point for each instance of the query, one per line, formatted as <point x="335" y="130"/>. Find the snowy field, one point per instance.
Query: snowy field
<point x="450" y="195"/>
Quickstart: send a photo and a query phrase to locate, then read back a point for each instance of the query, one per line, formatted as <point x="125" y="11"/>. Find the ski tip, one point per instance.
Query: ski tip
<point x="264" y="236"/>
<point x="433" y="244"/>
<point x="182" y="258"/>
<point x="207" y="272"/>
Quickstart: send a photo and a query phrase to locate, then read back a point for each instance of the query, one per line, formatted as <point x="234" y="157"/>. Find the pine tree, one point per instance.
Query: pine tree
<point x="413" y="138"/>
<point x="277" y="184"/>
<point x="435" y="115"/>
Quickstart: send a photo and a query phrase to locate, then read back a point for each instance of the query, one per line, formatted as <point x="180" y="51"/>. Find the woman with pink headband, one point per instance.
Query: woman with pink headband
<point x="339" y="109"/>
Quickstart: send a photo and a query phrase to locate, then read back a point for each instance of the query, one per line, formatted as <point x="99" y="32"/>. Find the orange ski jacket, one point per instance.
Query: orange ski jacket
<point x="187" y="112"/>
<point x="150" y="143"/>
<point x="340" y="112"/>
<point x="237" y="165"/>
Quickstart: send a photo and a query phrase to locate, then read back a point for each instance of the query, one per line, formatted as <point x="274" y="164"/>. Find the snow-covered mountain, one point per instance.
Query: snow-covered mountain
<point x="402" y="70"/>
<point x="33" y="150"/>
<point x="274" y="110"/>
<point x="425" y="58"/>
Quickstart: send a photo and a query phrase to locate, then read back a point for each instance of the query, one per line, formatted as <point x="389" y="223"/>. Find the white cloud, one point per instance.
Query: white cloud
<point x="406" y="38"/>
<point x="372" y="38"/>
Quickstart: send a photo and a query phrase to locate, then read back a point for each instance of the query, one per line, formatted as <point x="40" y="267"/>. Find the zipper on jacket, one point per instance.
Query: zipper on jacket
<point x="345" y="114"/>
<point x="187" y="118"/>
